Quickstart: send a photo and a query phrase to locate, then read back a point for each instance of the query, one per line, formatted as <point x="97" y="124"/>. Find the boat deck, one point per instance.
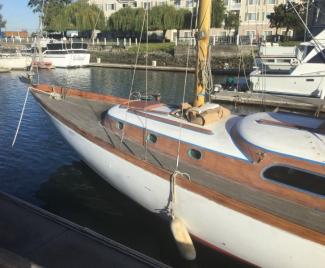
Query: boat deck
<point x="85" y="116"/>
<point x="32" y="237"/>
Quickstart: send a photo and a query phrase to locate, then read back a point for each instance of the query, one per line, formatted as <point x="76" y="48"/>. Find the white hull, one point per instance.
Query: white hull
<point x="222" y="227"/>
<point x="67" y="60"/>
<point x="305" y="85"/>
<point x="15" y="62"/>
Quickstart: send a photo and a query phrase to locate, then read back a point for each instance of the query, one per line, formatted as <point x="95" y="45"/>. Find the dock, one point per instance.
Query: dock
<point x="33" y="237"/>
<point x="163" y="68"/>
<point x="271" y="100"/>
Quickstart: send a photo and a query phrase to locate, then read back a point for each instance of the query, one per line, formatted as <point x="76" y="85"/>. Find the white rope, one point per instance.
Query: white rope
<point x="21" y="117"/>
<point x="176" y="171"/>
<point x="173" y="192"/>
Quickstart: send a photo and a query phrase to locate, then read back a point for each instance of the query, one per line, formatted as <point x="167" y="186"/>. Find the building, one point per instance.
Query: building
<point x="15" y="34"/>
<point x="252" y="13"/>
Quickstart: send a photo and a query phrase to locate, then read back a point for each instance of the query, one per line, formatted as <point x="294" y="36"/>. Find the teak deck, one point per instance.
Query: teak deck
<point x="85" y="116"/>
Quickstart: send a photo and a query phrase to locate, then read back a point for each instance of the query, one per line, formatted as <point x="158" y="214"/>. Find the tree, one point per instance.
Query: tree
<point x="218" y="13"/>
<point x="162" y="18"/>
<point x="284" y="16"/>
<point x="292" y="21"/>
<point x="277" y="17"/>
<point x="232" y="21"/>
<point x="2" y="21"/>
<point x="77" y="16"/>
<point x="36" y="5"/>
<point x="127" y="21"/>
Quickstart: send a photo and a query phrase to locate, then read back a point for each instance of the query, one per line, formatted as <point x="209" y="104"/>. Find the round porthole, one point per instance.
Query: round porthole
<point x="195" y="154"/>
<point x="119" y="125"/>
<point x="152" y="138"/>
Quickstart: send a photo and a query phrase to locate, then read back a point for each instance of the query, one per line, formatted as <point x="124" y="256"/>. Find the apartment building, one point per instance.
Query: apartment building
<point x="253" y="13"/>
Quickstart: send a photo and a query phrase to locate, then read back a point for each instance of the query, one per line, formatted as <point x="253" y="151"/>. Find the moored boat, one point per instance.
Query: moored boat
<point x="306" y="77"/>
<point x="252" y="187"/>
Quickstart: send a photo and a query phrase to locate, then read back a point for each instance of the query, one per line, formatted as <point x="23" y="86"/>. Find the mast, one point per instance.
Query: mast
<point x="202" y="36"/>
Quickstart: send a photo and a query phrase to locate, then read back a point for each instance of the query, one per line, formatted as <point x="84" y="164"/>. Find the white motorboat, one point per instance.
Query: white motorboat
<point x="306" y="78"/>
<point x="64" y="54"/>
<point x="273" y="57"/>
<point x="13" y="59"/>
<point x="252" y="187"/>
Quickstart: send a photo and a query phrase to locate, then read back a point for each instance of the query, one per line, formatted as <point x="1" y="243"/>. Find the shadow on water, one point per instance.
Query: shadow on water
<point x="77" y="193"/>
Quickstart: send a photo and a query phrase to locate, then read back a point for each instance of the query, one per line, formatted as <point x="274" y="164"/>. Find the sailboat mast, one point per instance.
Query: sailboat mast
<point x="202" y="36"/>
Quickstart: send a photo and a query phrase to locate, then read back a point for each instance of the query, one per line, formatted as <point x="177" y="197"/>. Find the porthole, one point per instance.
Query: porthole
<point x="119" y="125"/>
<point x="195" y="154"/>
<point x="152" y="138"/>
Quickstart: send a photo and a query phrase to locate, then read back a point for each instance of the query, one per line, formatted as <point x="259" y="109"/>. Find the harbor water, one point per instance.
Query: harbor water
<point x="42" y="169"/>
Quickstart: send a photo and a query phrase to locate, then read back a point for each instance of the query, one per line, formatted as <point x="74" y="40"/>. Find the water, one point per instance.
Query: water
<point x="42" y="169"/>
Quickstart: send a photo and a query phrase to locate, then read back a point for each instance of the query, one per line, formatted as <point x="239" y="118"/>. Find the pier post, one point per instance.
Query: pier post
<point x="214" y="40"/>
<point x="117" y="42"/>
<point x="124" y="42"/>
<point x="6" y="39"/>
<point x="237" y="40"/>
<point x="105" y="41"/>
<point x="93" y="41"/>
<point x="136" y="41"/>
<point x="176" y="41"/>
<point x="130" y="42"/>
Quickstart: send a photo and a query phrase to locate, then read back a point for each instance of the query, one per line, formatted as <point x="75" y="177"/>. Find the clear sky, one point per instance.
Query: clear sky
<point x="18" y="16"/>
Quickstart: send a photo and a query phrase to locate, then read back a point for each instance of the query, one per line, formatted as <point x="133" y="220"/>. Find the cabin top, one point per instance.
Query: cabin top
<point x="287" y="134"/>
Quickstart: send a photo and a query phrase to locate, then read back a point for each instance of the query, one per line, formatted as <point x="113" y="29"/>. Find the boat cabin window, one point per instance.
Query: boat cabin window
<point x="195" y="154"/>
<point x="119" y="125"/>
<point x="297" y="178"/>
<point x="318" y="58"/>
<point x="152" y="138"/>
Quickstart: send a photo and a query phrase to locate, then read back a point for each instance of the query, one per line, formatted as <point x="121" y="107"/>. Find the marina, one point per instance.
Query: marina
<point x="169" y="150"/>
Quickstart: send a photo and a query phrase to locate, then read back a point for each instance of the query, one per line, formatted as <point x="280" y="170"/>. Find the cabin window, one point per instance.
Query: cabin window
<point x="297" y="178"/>
<point x="195" y="154"/>
<point x="152" y="138"/>
<point x="119" y="125"/>
<point x="318" y="58"/>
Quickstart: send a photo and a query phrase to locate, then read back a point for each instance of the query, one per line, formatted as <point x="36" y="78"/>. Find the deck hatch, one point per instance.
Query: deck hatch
<point x="297" y="178"/>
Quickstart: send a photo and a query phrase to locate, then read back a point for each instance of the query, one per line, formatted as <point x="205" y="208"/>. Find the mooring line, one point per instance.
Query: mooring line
<point x="21" y="117"/>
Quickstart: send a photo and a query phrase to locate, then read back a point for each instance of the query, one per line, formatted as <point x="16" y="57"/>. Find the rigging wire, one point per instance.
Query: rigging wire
<point x="184" y="90"/>
<point x="146" y="97"/>
<point x="133" y="76"/>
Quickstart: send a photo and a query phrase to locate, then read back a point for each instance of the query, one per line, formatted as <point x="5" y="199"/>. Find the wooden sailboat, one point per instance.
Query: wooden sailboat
<point x="252" y="187"/>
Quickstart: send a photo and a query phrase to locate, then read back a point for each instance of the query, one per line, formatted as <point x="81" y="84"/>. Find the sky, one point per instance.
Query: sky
<point x="18" y="16"/>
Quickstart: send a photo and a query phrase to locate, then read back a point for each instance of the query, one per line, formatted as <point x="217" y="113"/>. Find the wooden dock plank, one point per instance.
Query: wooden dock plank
<point x="30" y="235"/>
<point x="282" y="101"/>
